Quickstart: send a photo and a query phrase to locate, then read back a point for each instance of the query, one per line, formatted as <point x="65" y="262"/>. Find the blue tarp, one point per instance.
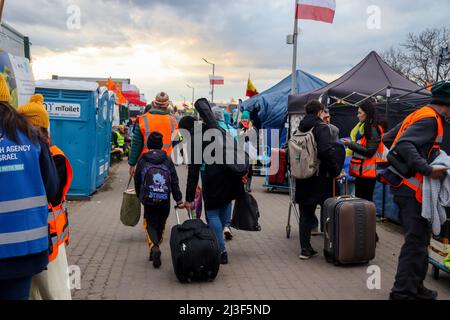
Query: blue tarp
<point x="274" y="101"/>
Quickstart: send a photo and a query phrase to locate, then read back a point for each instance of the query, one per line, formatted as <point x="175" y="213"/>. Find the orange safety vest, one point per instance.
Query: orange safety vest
<point x="364" y="167"/>
<point x="57" y="215"/>
<point x="416" y="182"/>
<point x="165" y="124"/>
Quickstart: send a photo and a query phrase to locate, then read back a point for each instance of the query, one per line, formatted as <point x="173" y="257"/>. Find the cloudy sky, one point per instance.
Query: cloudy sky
<point x="160" y="44"/>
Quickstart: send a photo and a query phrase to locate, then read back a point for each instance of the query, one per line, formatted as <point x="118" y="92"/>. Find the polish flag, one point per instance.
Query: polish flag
<point x="318" y="10"/>
<point x="216" y="80"/>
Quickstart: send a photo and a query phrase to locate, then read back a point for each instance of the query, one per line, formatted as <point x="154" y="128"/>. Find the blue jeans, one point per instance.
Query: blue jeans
<point x="15" y="289"/>
<point x="218" y="219"/>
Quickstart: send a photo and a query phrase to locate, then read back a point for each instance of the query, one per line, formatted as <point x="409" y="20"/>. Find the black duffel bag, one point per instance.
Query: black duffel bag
<point x="246" y="213"/>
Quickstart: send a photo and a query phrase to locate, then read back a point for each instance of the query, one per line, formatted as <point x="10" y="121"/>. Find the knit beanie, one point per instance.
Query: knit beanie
<point x="155" y="141"/>
<point x="161" y="100"/>
<point x="440" y="94"/>
<point x="245" y="115"/>
<point x="5" y="96"/>
<point x="35" y="112"/>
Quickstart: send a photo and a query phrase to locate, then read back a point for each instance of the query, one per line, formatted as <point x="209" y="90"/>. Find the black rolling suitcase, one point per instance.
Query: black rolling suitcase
<point x="195" y="251"/>
<point x="350" y="230"/>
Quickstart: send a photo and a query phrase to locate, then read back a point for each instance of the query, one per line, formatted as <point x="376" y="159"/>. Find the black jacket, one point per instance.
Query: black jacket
<point x="219" y="184"/>
<point x="318" y="188"/>
<point x="372" y="144"/>
<point x="158" y="157"/>
<point x="414" y="147"/>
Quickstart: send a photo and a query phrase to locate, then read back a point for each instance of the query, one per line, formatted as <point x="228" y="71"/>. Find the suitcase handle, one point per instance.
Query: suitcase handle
<point x="178" y="214"/>
<point x="325" y="229"/>
<point x="346" y="188"/>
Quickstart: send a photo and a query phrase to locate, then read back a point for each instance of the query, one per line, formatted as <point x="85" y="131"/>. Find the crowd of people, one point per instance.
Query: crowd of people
<point x="33" y="214"/>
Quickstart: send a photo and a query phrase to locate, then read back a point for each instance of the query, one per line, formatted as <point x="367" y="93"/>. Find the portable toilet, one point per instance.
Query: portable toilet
<point x="109" y="121"/>
<point x="72" y="108"/>
<point x="101" y="136"/>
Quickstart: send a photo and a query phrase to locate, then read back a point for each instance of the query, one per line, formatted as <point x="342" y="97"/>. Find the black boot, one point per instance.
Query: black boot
<point x="156" y="257"/>
<point x="424" y="293"/>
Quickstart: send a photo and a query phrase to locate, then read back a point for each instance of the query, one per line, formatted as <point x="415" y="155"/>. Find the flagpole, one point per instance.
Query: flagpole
<point x="294" y="56"/>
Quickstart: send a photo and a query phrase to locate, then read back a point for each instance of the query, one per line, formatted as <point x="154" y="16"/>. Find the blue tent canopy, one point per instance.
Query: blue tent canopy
<point x="273" y="102"/>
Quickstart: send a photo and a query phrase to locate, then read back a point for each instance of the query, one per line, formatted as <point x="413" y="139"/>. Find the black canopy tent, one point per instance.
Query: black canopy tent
<point x="395" y="96"/>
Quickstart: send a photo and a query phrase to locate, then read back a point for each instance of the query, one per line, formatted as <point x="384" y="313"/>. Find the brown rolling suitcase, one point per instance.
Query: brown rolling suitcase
<point x="350" y="228"/>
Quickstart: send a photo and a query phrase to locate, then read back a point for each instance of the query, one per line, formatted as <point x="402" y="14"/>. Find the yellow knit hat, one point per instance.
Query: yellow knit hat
<point x="35" y="111"/>
<point x="5" y="96"/>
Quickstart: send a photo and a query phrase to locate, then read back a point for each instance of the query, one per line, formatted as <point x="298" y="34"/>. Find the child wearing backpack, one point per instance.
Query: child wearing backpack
<point x="155" y="179"/>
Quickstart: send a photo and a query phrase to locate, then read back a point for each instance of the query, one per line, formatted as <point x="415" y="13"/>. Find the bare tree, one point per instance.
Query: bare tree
<point x="417" y="58"/>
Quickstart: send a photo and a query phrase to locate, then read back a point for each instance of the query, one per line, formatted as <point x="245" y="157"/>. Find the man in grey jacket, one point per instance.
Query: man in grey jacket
<point x="416" y="146"/>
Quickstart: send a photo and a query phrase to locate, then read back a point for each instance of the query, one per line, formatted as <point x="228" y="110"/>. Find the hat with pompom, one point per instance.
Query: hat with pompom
<point x="35" y="112"/>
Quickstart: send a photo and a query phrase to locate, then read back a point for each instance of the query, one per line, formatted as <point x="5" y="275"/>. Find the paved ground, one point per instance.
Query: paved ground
<point x="264" y="265"/>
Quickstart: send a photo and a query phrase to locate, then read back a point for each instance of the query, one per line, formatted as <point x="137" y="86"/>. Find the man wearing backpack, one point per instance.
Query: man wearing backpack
<point x="314" y="190"/>
<point x="155" y="179"/>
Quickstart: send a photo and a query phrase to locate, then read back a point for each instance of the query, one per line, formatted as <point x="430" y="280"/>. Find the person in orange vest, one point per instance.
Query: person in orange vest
<point x="366" y="149"/>
<point x="415" y="143"/>
<point x="156" y="119"/>
<point x="53" y="283"/>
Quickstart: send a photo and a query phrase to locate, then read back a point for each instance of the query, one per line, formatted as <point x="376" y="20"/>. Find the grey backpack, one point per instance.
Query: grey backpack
<point x="303" y="155"/>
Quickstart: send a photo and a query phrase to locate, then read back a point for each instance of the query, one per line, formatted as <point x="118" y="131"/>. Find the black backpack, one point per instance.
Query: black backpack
<point x="156" y="184"/>
<point x="241" y="161"/>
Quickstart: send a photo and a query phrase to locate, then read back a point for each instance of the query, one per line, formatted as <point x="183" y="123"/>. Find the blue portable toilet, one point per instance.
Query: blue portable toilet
<point x="109" y="121"/>
<point x="72" y="108"/>
<point x="102" y="129"/>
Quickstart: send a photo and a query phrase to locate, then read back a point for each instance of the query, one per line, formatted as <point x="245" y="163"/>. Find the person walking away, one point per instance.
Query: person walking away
<point x="416" y="143"/>
<point x="155" y="179"/>
<point x="249" y="134"/>
<point x="220" y="186"/>
<point x="157" y="119"/>
<point x="366" y="149"/>
<point x="314" y="191"/>
<point x="53" y="283"/>
<point x="219" y="114"/>
<point x="29" y="173"/>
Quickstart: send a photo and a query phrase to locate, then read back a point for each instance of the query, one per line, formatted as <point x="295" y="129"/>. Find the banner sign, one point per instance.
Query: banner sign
<point x="19" y="77"/>
<point x="67" y="110"/>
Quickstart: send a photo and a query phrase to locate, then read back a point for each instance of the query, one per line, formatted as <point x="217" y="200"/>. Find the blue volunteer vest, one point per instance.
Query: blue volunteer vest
<point x="23" y="202"/>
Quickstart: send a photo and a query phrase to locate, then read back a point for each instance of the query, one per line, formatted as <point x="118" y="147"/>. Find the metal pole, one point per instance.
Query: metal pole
<point x="294" y="56"/>
<point x="212" y="92"/>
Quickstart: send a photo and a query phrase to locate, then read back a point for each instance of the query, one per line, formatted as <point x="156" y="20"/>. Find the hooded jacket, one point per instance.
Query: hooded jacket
<point x="318" y="188"/>
<point x="219" y="184"/>
<point x="158" y="157"/>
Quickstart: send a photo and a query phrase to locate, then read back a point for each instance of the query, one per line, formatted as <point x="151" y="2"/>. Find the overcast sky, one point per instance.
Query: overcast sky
<point x="160" y="44"/>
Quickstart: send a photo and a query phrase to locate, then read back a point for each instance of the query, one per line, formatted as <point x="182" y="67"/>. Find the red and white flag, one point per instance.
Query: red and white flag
<point x="318" y="10"/>
<point x="216" y="80"/>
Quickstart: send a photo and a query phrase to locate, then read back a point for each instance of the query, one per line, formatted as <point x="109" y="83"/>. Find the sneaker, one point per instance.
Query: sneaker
<point x="156" y="257"/>
<point x="307" y="254"/>
<point x="227" y="233"/>
<point x="426" y="294"/>
<point x="224" y="258"/>
<point x="396" y="296"/>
